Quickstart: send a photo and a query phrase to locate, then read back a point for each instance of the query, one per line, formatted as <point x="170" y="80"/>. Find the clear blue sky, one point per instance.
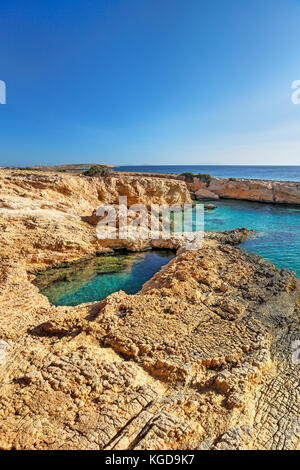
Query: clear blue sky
<point x="149" y="81"/>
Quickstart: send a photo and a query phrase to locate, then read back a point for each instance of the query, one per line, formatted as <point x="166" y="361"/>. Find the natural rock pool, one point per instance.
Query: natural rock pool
<point x="276" y="239"/>
<point x="96" y="278"/>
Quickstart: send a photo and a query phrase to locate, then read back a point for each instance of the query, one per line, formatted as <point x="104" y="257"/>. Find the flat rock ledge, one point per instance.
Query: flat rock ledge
<point x="200" y="358"/>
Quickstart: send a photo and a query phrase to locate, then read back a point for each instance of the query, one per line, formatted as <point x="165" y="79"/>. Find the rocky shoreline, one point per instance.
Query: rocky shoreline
<point x="276" y="192"/>
<point x="268" y="191"/>
<point x="200" y="358"/>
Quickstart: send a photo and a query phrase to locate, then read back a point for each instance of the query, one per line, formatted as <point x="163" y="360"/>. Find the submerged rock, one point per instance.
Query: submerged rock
<point x="209" y="207"/>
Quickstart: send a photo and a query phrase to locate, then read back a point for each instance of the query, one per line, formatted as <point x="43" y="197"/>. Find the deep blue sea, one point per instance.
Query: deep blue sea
<point x="280" y="173"/>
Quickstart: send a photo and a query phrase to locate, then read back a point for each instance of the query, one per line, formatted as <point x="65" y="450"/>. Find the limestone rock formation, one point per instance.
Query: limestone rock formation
<point x="204" y="194"/>
<point x="280" y="192"/>
<point x="200" y="358"/>
<point x="43" y="216"/>
<point x="209" y="207"/>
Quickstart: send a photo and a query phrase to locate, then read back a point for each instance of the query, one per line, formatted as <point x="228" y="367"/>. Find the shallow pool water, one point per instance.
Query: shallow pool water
<point x="276" y="239"/>
<point x="277" y="229"/>
<point x="96" y="278"/>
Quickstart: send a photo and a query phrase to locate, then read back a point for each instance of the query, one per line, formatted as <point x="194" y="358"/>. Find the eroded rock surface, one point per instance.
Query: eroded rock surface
<point x="200" y="358"/>
<point x="201" y="355"/>
<point x="279" y="192"/>
<point x="43" y="216"/>
<point x="204" y="194"/>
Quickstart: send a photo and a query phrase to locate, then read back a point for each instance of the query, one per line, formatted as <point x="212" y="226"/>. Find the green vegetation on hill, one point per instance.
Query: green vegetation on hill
<point x="97" y="171"/>
<point x="204" y="177"/>
<point x="62" y="168"/>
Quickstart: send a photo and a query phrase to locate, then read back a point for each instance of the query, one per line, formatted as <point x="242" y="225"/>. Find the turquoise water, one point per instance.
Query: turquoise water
<point x="276" y="239"/>
<point x="95" y="279"/>
<point x="277" y="229"/>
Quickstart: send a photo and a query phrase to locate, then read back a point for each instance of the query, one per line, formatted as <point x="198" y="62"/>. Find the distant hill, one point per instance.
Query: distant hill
<point x="73" y="166"/>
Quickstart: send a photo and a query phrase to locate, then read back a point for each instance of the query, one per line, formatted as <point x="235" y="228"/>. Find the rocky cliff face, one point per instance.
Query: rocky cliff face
<point x="280" y="192"/>
<point x="200" y="358"/>
<point x="43" y="215"/>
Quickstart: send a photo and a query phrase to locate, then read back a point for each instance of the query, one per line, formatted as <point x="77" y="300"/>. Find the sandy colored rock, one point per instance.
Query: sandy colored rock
<point x="209" y="207"/>
<point x="200" y="358"/>
<point x="279" y="192"/>
<point x="204" y="194"/>
<point x="43" y="216"/>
